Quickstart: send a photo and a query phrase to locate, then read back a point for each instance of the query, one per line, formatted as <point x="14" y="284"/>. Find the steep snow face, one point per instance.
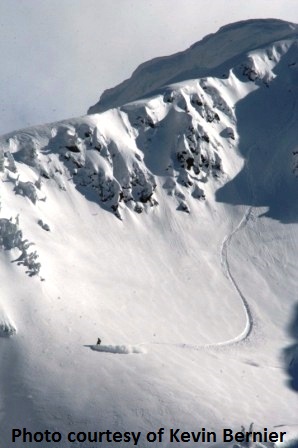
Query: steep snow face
<point x="125" y="157"/>
<point x="168" y="228"/>
<point x="214" y="55"/>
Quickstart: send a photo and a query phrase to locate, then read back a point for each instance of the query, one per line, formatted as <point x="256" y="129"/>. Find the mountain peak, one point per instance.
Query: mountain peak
<point x="204" y="58"/>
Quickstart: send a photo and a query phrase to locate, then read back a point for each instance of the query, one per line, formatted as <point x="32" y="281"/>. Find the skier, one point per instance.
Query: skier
<point x="98" y="341"/>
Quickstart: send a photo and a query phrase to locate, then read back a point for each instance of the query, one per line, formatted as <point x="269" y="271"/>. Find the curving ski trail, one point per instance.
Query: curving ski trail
<point x="224" y="259"/>
<point x="246" y="308"/>
<point x="249" y="324"/>
<point x="227" y="270"/>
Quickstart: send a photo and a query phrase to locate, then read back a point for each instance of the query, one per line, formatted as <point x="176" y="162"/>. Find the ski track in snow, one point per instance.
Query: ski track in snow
<point x="247" y="310"/>
<point x="118" y="349"/>
<point x="244" y="335"/>
<point x="128" y="349"/>
<point x="227" y="269"/>
<point x="240" y="338"/>
<point x="226" y="266"/>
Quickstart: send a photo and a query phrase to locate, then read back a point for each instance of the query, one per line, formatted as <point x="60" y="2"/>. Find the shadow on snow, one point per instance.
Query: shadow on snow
<point x="267" y="127"/>
<point x="290" y="354"/>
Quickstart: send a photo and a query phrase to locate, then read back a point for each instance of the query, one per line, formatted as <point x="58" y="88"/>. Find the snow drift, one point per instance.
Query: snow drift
<point x="118" y="349"/>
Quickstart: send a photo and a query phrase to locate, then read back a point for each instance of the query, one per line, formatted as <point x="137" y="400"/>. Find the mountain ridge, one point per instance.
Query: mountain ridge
<point x="117" y="96"/>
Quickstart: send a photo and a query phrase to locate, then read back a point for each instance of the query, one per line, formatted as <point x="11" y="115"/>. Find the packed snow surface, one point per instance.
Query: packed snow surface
<point x="166" y="225"/>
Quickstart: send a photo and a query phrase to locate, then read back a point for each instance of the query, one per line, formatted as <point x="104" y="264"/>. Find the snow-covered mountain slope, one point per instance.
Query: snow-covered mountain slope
<point x="168" y="228"/>
<point x="215" y="55"/>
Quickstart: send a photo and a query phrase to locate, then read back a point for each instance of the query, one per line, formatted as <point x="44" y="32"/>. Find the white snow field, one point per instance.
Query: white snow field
<point x="167" y="226"/>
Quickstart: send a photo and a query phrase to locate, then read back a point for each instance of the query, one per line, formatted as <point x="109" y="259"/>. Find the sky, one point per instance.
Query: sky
<point x="58" y="56"/>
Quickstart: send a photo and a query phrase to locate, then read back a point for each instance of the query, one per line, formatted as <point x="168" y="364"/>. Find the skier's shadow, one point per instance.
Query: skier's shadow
<point x="290" y="354"/>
